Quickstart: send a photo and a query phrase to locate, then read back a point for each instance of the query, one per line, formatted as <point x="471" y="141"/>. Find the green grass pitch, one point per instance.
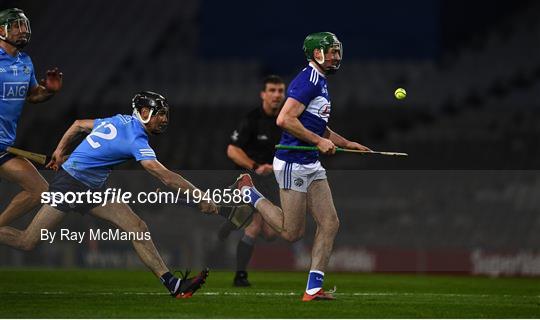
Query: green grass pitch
<point x="53" y="293"/>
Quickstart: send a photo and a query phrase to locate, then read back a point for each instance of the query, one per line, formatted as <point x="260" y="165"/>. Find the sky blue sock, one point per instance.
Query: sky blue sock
<point x="315" y="281"/>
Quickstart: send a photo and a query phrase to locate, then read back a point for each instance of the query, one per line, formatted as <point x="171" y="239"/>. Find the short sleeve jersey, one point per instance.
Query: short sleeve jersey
<point x="112" y="141"/>
<point x="16" y="77"/>
<point x="257" y="134"/>
<point x="310" y="88"/>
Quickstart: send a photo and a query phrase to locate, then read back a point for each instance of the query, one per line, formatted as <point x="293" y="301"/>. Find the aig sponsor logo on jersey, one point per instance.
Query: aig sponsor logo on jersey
<point x="324" y="111"/>
<point x="14" y="91"/>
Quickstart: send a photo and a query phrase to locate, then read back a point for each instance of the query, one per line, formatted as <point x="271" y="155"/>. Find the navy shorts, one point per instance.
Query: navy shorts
<point x="5" y="157"/>
<point x="64" y="183"/>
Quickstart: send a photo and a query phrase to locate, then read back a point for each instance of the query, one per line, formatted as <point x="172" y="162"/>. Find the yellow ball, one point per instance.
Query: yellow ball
<point x="400" y="94"/>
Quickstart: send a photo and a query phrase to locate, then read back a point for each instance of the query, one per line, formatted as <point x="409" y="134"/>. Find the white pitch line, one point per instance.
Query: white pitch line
<point x="247" y="293"/>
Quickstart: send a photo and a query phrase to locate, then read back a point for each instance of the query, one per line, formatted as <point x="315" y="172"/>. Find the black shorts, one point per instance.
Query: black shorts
<point x="64" y="183"/>
<point x="5" y="157"/>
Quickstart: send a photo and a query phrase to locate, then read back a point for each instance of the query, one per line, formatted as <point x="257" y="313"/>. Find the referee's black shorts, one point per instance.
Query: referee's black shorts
<point x="268" y="186"/>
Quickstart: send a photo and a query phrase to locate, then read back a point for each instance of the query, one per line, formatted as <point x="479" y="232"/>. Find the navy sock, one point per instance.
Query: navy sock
<point x="254" y="195"/>
<point x="315" y="281"/>
<point x="171" y="282"/>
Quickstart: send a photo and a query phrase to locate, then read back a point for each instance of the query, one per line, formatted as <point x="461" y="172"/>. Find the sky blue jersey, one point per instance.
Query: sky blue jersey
<point x="310" y="88"/>
<point x="16" y="77"/>
<point x="112" y="141"/>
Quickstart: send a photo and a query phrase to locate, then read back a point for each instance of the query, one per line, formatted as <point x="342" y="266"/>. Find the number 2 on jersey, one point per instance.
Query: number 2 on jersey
<point x="107" y="136"/>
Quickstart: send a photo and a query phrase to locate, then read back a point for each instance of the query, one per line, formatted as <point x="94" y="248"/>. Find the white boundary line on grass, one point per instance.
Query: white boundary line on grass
<point x="250" y="293"/>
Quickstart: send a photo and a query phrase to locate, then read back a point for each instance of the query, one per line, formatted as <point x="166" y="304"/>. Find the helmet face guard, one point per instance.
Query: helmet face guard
<point x="15" y="19"/>
<point x="151" y="100"/>
<point x="323" y="41"/>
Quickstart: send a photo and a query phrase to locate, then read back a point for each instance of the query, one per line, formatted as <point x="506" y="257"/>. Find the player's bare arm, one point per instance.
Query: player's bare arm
<point x="288" y="120"/>
<point x="48" y="87"/>
<point x="175" y="181"/>
<point x="240" y="157"/>
<point x="342" y="142"/>
<point x="60" y="153"/>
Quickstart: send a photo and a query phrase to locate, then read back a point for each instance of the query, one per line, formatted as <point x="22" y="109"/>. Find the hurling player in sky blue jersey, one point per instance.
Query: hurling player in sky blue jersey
<point x="109" y="142"/>
<point x="301" y="177"/>
<point x="18" y="84"/>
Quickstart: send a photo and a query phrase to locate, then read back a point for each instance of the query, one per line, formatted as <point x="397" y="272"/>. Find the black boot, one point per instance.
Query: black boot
<point x="241" y="279"/>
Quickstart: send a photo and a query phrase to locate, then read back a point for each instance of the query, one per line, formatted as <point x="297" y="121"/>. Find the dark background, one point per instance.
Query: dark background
<point x="471" y="69"/>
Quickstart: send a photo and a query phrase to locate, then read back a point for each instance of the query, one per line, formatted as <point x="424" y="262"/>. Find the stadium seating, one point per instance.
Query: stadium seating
<point x="474" y="110"/>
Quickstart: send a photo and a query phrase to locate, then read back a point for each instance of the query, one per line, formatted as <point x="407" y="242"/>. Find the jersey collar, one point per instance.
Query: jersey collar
<point x="312" y="65"/>
<point x="4" y="53"/>
<point x="140" y="125"/>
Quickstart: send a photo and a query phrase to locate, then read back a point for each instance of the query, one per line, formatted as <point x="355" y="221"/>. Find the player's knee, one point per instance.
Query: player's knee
<point x="293" y="236"/>
<point x="253" y="231"/>
<point x="337" y="223"/>
<point x="329" y="225"/>
<point x="140" y="226"/>
<point x="36" y="191"/>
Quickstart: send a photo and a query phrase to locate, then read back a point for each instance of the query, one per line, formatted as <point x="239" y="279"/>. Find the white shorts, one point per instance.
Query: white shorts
<point x="295" y="176"/>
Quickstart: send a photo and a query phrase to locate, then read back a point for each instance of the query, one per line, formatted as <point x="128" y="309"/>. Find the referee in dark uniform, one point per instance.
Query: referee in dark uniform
<point x="252" y="148"/>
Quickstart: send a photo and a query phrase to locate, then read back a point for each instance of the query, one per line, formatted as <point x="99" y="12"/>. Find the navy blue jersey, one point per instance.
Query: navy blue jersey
<point x="310" y="88"/>
<point x="16" y="77"/>
<point x="112" y="141"/>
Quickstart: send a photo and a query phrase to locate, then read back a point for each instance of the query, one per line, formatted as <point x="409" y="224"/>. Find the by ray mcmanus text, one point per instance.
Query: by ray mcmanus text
<point x="93" y="235"/>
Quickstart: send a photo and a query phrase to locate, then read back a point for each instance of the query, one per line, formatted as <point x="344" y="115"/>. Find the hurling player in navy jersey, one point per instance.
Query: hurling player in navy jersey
<point x="301" y="177"/>
<point x="18" y="84"/>
<point x="111" y="141"/>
